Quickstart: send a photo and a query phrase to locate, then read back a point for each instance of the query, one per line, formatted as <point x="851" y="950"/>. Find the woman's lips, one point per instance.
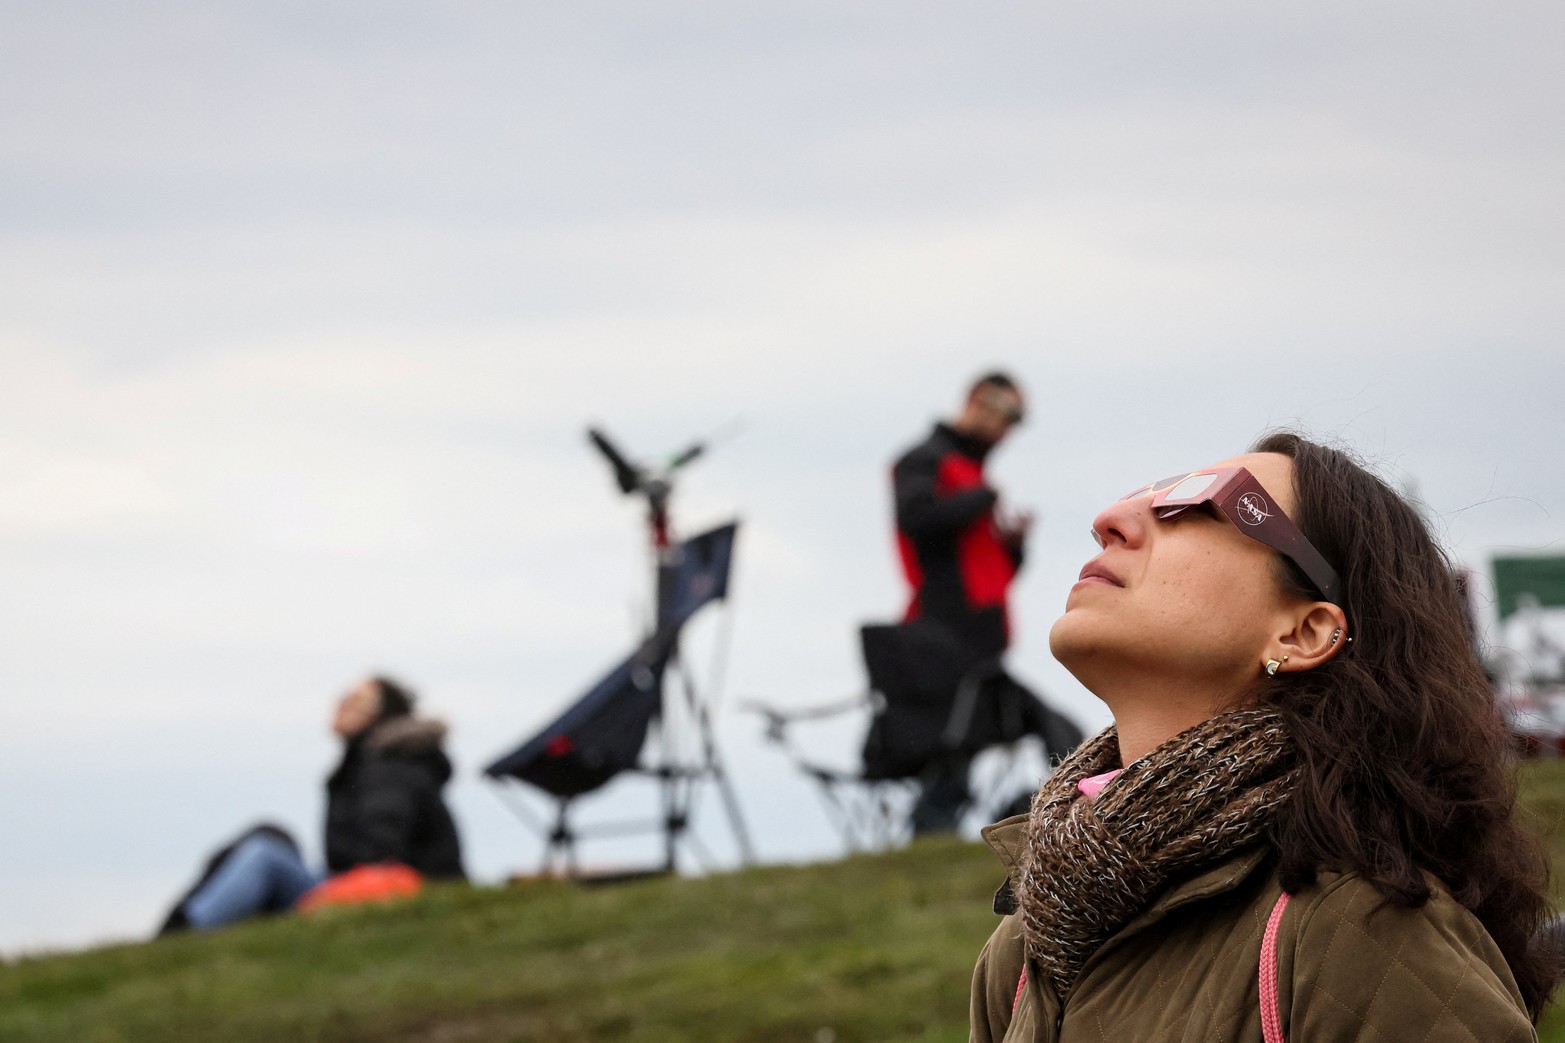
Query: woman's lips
<point x="1096" y="572"/>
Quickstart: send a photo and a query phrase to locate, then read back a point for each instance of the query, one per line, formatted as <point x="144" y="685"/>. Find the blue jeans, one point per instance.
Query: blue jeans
<point x="261" y="875"/>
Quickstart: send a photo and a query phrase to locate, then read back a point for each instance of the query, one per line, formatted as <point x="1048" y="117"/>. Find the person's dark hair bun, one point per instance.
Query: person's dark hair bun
<point x="395" y="700"/>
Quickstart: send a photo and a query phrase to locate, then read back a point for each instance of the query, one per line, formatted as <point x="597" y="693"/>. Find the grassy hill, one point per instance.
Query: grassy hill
<point x="870" y="948"/>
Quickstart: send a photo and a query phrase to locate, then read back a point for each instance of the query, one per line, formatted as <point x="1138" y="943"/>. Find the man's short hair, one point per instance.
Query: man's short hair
<point x="994" y="379"/>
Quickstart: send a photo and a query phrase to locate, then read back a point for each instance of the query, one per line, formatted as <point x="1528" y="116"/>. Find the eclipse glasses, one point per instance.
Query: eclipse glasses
<point x="1245" y="502"/>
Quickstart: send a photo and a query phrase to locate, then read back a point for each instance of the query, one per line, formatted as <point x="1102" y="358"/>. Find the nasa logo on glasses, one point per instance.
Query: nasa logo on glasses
<point x="1253" y="509"/>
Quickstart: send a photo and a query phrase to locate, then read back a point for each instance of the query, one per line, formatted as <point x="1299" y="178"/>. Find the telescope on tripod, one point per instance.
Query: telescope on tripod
<point x="625" y="724"/>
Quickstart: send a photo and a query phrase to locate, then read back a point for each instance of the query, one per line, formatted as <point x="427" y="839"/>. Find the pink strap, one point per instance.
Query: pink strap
<point x="1271" y="1020"/>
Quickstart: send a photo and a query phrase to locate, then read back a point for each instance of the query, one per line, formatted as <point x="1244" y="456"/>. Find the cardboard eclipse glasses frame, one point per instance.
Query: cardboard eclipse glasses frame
<point x="1245" y="502"/>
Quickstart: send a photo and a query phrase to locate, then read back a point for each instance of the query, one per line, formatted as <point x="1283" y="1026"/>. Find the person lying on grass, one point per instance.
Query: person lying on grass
<point x="387" y="826"/>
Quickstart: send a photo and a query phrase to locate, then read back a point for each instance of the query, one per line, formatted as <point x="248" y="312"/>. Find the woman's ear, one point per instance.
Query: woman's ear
<point x="1319" y="633"/>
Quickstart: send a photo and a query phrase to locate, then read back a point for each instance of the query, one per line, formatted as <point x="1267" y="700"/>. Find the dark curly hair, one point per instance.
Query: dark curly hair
<point x="1407" y="762"/>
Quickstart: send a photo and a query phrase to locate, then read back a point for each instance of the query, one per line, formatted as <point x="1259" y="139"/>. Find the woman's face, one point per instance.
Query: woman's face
<point x="1190" y="599"/>
<point x="356" y="710"/>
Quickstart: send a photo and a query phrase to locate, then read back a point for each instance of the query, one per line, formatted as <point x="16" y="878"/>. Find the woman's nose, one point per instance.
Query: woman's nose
<point x="1123" y="522"/>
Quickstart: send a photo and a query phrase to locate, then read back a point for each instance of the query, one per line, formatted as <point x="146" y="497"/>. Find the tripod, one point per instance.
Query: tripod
<point x="605" y="732"/>
<point x="682" y="761"/>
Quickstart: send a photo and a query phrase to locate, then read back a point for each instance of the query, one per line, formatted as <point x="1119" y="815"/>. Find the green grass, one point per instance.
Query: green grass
<point x="871" y="948"/>
<point x="1543" y="799"/>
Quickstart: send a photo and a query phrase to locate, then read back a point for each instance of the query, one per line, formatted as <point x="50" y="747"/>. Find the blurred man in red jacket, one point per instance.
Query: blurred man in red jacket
<point x="959" y="552"/>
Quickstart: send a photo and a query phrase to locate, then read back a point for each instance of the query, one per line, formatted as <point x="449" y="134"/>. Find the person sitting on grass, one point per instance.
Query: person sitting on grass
<point x="383" y="806"/>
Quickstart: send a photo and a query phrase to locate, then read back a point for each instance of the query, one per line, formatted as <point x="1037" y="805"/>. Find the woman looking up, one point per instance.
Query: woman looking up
<point x="1302" y="738"/>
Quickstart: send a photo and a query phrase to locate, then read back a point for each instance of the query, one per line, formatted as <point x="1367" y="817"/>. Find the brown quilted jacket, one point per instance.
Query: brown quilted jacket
<point x="1350" y="969"/>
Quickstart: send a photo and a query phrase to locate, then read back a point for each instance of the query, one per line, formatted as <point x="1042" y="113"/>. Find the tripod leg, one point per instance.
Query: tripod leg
<point x="731" y="806"/>
<point x="725" y="789"/>
<point x="711" y="764"/>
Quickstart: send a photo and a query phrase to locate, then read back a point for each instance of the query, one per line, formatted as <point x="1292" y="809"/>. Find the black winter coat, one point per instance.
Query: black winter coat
<point x="383" y="802"/>
<point x="956" y="559"/>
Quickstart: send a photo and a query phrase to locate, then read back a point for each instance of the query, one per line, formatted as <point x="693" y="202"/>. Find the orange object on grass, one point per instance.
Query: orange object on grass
<point x="381" y="882"/>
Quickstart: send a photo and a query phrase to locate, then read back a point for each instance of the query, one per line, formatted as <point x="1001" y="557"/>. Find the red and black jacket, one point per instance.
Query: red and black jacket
<point x="953" y="553"/>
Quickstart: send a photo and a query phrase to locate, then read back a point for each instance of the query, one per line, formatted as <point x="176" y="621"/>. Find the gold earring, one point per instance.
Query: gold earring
<point x="1272" y="665"/>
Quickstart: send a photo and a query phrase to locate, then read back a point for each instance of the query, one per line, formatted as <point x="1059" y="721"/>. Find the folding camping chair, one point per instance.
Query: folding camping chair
<point x="929" y="704"/>
<point x="609" y="731"/>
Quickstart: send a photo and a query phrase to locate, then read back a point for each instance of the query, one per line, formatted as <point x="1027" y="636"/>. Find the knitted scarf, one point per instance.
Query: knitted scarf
<point x="1090" y="866"/>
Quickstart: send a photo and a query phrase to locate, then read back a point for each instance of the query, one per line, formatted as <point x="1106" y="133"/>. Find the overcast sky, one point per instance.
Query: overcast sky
<point x="304" y="309"/>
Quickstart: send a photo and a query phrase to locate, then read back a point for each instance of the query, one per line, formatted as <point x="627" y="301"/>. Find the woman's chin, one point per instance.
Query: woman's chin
<point x="1073" y="636"/>
<point x="1089" y="643"/>
<point x="1079" y="620"/>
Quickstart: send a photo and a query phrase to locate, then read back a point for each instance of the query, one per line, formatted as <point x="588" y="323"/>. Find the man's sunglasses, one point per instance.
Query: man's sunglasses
<point x="1241" y="497"/>
<point x="1003" y="407"/>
